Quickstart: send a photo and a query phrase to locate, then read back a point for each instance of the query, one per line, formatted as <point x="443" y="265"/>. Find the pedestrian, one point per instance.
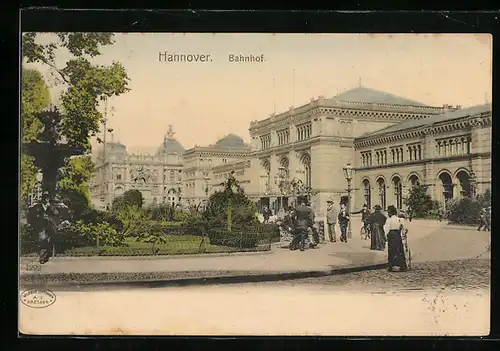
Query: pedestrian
<point x="365" y="212"/>
<point x="343" y="219"/>
<point x="484" y="219"/>
<point x="42" y="217"/>
<point x="376" y="221"/>
<point x="266" y="214"/>
<point x="410" y="213"/>
<point x="315" y="236"/>
<point x="301" y="224"/>
<point x="396" y="251"/>
<point x="331" y="220"/>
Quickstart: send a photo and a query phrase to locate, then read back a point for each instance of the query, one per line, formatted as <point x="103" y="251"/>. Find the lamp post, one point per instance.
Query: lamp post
<point x="348" y="176"/>
<point x="105" y="131"/>
<point x="472" y="184"/>
<point x="179" y="191"/>
<point x="283" y="187"/>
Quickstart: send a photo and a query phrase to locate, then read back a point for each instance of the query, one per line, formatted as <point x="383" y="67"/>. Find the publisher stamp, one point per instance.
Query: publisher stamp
<point x="38" y="298"/>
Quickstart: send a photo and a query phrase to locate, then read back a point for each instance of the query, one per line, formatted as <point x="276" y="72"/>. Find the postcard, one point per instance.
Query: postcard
<point x="255" y="184"/>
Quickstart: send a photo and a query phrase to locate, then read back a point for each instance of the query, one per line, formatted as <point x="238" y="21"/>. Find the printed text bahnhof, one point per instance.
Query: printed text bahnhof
<point x="165" y="56"/>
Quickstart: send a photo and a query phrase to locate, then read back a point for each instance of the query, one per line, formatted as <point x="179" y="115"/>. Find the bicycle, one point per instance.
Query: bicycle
<point x="366" y="231"/>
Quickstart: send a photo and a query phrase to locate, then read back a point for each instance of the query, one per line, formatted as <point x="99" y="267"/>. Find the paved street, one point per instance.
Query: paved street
<point x="447" y="295"/>
<point x="430" y="241"/>
<point x="457" y="275"/>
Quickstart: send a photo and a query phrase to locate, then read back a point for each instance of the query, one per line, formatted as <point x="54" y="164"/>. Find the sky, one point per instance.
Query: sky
<point x="206" y="101"/>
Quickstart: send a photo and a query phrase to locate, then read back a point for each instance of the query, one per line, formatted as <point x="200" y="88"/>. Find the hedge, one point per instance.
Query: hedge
<point x="463" y="211"/>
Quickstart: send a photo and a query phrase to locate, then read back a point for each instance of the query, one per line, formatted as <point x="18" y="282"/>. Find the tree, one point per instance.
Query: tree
<point x="86" y="84"/>
<point x="34" y="98"/>
<point x="419" y="201"/>
<point x="73" y="184"/>
<point x="132" y="198"/>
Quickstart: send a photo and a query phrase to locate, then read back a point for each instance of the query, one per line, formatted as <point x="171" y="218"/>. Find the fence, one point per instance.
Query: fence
<point x="175" y="241"/>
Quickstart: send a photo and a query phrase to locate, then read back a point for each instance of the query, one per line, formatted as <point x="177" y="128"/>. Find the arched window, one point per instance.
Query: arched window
<point x="367" y="193"/>
<point x="398" y="192"/>
<point x="447" y="186"/>
<point x="382" y="192"/>
<point x="413" y="180"/>
<point x="306" y="163"/>
<point x="464" y="181"/>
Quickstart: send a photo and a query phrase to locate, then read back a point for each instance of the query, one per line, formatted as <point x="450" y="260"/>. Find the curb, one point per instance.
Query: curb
<point x="157" y="257"/>
<point x="133" y="280"/>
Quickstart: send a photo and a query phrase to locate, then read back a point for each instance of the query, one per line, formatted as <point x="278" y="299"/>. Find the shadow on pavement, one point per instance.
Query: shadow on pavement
<point x="201" y="281"/>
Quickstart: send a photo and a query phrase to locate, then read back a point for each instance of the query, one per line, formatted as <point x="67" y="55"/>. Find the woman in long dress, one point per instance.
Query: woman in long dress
<point x="396" y="249"/>
<point x="377" y="221"/>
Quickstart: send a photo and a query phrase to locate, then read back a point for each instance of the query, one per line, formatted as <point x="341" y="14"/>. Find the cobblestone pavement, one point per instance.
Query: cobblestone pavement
<point x="458" y="274"/>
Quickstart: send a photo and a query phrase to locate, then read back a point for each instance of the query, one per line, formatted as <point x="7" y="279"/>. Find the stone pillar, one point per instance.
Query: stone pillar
<point x="274" y="165"/>
<point x="294" y="166"/>
<point x="327" y="163"/>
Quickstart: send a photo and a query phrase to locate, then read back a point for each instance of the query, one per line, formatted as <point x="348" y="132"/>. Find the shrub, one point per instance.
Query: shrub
<point x="435" y="211"/>
<point x="463" y="211"/>
<point x="81" y="233"/>
<point x="233" y="238"/>
<point x="28" y="239"/>
<point x="485" y="198"/>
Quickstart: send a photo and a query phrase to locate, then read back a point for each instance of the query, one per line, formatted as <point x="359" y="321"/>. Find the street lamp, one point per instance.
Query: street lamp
<point x="206" y="185"/>
<point x="179" y="191"/>
<point x="348" y="176"/>
<point x="472" y="184"/>
<point x="105" y="131"/>
<point x="282" y="185"/>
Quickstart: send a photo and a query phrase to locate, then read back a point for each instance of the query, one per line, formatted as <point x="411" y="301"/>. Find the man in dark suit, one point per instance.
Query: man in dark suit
<point x="302" y="220"/>
<point x="41" y="217"/>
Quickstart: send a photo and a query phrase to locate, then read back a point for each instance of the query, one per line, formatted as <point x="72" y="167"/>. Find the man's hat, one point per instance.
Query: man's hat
<point x="329" y="201"/>
<point x="365" y="205"/>
<point x="377" y="207"/>
<point x="45" y="194"/>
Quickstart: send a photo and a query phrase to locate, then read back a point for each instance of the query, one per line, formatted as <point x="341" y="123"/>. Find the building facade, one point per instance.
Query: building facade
<point x="450" y="153"/>
<point x="172" y="175"/>
<point x="313" y="143"/>
<point x="391" y="142"/>
<point x="158" y="177"/>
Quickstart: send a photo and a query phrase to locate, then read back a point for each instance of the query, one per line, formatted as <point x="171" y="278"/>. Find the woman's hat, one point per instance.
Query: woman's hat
<point x="377" y="207"/>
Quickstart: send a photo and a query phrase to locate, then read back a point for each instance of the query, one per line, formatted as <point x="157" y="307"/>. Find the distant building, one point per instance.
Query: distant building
<point x="158" y="177"/>
<point x="172" y="175"/>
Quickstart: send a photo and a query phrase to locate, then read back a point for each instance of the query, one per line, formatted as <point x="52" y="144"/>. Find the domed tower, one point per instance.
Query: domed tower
<point x="231" y="141"/>
<point x="170" y="145"/>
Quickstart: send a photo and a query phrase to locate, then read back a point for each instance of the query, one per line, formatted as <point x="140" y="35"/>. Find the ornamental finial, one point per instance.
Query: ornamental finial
<point x="170" y="133"/>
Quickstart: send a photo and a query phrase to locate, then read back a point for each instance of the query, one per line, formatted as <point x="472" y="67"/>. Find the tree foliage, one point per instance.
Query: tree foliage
<point x="73" y="184"/>
<point x="86" y="84"/>
<point x="420" y="203"/>
<point x="231" y="198"/>
<point x="132" y="198"/>
<point x="34" y="98"/>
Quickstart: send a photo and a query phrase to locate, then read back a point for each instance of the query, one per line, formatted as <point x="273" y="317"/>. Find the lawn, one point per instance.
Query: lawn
<point x="174" y="245"/>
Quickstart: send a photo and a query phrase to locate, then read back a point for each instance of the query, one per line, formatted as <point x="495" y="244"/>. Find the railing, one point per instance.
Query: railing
<point x="175" y="241"/>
